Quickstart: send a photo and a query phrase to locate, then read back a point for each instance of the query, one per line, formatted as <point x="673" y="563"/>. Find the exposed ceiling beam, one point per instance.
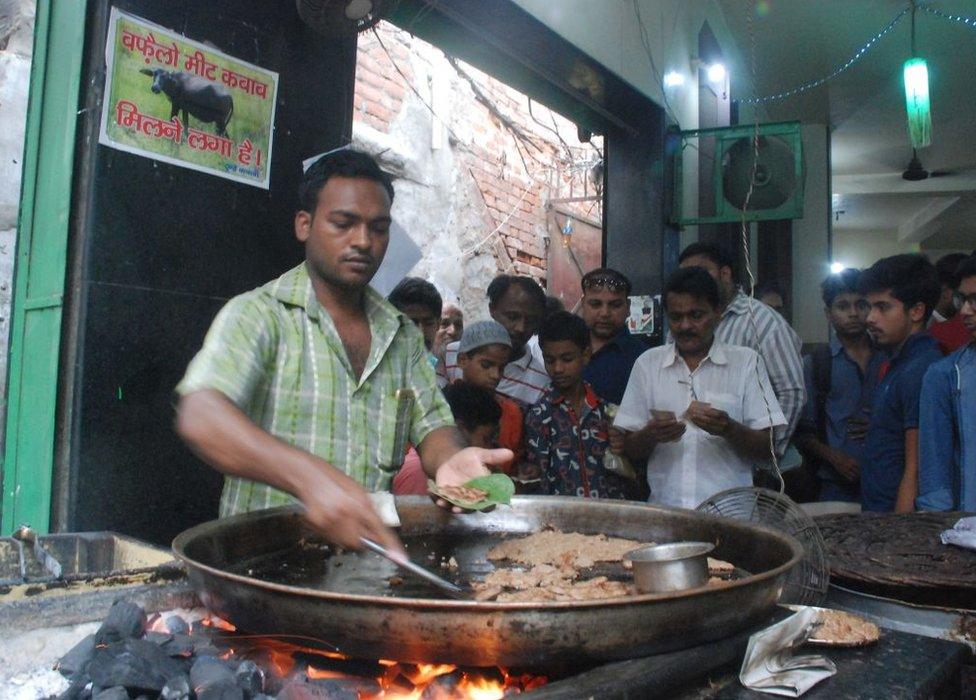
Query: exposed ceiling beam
<point x="926" y="220"/>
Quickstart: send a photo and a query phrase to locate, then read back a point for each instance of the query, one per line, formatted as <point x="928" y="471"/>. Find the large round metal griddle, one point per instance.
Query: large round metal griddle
<point x="371" y="623"/>
<point x="900" y="556"/>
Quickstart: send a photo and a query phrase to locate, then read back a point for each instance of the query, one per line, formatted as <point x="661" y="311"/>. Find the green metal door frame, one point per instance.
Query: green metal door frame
<point x="41" y="256"/>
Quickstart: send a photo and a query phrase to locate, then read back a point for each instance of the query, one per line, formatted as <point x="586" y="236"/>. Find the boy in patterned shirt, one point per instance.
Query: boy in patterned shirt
<point x="567" y="432"/>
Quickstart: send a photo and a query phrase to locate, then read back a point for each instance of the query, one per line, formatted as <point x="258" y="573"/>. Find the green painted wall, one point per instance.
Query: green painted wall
<point x="39" y="272"/>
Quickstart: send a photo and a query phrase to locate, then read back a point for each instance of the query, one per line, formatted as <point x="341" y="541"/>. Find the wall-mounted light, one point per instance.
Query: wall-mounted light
<point x="716" y="73"/>
<point x="673" y="79"/>
<point x="917" y="102"/>
<point x="837" y="267"/>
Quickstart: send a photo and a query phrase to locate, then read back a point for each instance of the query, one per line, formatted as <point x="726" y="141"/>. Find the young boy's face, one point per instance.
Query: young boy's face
<point x="564" y="362"/>
<point x="484" y="436"/>
<point x="484" y="366"/>
<point x="890" y="322"/>
<point x="848" y="313"/>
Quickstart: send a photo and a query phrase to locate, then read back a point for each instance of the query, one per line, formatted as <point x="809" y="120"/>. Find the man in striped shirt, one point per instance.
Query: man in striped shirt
<point x="752" y="324"/>
<point x="518" y="303"/>
<point x="311" y="386"/>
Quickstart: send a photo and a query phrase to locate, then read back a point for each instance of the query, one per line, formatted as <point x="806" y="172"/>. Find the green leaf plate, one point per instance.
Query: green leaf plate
<point x="500" y="488"/>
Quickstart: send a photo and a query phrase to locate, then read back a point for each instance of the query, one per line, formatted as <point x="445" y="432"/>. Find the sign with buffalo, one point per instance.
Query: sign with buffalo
<point x="176" y="100"/>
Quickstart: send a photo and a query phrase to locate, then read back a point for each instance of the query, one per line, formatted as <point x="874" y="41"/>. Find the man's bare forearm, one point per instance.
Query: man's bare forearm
<point x="908" y="488"/>
<point x="807" y="443"/>
<point x="638" y="444"/>
<point x="749" y="442"/>
<point x="439" y="446"/>
<point x="224" y="437"/>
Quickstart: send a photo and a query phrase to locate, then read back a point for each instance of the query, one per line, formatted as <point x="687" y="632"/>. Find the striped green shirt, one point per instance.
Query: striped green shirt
<point x="275" y="353"/>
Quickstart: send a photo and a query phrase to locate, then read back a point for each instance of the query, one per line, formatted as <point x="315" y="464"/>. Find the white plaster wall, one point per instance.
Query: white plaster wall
<point x="859" y="248"/>
<point x="811" y="238"/>
<point x="608" y="31"/>
<point x="16" y="43"/>
<point x="437" y="200"/>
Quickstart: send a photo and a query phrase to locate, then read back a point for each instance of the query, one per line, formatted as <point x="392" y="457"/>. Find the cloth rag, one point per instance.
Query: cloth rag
<point x="962" y="534"/>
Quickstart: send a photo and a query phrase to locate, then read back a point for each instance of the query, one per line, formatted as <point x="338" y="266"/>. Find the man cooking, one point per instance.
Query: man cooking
<point x="297" y="390"/>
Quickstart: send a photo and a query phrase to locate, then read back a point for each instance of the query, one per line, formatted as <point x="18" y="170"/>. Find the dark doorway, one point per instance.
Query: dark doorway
<point x="155" y="252"/>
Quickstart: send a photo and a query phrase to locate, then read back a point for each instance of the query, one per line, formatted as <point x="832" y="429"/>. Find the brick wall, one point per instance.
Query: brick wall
<point x="428" y="114"/>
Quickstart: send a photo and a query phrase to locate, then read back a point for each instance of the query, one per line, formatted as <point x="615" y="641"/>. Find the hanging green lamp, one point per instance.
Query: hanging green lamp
<point x="917" y="105"/>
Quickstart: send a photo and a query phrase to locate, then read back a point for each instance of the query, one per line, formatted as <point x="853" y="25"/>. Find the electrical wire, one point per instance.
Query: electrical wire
<point x="498" y="228"/>
<point x="969" y="21"/>
<point x="752" y="280"/>
<point x="646" y="43"/>
<point x="414" y="90"/>
<point x="858" y="55"/>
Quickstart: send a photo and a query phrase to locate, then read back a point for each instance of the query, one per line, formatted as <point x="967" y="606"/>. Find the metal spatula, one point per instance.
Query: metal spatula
<point x="453" y="590"/>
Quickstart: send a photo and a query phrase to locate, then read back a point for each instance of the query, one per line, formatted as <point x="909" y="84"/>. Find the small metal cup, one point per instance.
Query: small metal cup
<point x="675" y="566"/>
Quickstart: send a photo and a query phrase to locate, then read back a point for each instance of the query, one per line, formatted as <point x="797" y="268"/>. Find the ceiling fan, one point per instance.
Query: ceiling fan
<point x="916" y="171"/>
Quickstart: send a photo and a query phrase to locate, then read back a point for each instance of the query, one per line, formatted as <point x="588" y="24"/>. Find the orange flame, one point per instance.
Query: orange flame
<point x="320" y="673"/>
<point x="394" y="679"/>
<point x="218" y="622"/>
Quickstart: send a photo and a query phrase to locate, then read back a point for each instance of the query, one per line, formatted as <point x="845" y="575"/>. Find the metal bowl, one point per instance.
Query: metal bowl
<point x="675" y="566"/>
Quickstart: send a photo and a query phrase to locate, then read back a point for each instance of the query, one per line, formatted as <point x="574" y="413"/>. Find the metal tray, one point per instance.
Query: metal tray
<point x="426" y="629"/>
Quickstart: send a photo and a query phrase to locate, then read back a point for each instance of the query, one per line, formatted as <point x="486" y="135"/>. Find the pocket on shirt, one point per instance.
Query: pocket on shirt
<point x="730" y="403"/>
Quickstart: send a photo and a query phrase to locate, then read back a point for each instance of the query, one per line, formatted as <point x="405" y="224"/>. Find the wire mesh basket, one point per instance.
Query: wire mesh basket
<point x="808" y="581"/>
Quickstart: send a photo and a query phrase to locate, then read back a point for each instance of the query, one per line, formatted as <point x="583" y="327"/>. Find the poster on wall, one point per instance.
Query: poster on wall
<point x="182" y="102"/>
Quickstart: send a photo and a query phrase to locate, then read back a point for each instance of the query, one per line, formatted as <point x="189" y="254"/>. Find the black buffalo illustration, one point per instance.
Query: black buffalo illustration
<point x="205" y="100"/>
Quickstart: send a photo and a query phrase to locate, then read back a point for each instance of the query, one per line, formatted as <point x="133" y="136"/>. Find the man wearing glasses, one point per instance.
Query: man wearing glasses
<point x="841" y="377"/>
<point x="605" y="307"/>
<point x="947" y="415"/>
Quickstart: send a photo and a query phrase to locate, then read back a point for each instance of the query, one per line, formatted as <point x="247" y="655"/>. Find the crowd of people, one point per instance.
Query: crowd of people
<point x="875" y="416"/>
<point x="315" y="388"/>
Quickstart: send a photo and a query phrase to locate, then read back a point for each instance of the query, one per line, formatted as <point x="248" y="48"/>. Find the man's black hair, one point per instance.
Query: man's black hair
<point x="501" y="284"/>
<point x="844" y="282"/>
<point x="946" y="267"/>
<point x="563" y="325"/>
<point x="553" y="304"/>
<point x="769" y="288"/>
<point x="718" y="255"/>
<point x="694" y="281"/>
<point x="342" y="163"/>
<point x="967" y="268"/>
<point x="472" y="405"/>
<point x="413" y="290"/>
<point x="607" y="278"/>
<point x="910" y="277"/>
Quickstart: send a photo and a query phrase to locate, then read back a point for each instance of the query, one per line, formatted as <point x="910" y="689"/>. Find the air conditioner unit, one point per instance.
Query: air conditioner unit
<point x="773" y="163"/>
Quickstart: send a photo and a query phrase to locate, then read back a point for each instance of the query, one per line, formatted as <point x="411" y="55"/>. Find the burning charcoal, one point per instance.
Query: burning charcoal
<point x="134" y="663"/>
<point x="213" y="679"/>
<point x="204" y="648"/>
<point x="179" y="645"/>
<point x="443" y="686"/>
<point x="177" y="625"/>
<point x="300" y="689"/>
<point x="79" y="689"/>
<point x="116" y="692"/>
<point x="249" y="678"/>
<point x="77" y="660"/>
<point x="160" y="638"/>
<point x="176" y="688"/>
<point x="125" y="620"/>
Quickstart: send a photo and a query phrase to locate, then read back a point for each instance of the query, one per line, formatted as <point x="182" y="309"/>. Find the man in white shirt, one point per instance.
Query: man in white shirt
<point x="745" y="321"/>
<point x="699" y="410"/>
<point x="518" y="303"/>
